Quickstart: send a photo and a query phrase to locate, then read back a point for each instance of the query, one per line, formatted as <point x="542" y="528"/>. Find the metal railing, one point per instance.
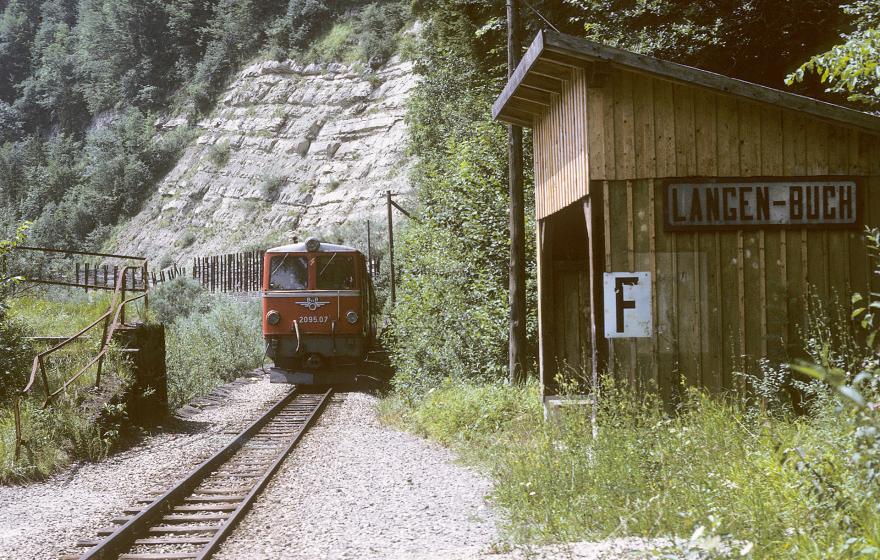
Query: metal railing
<point x="112" y="319"/>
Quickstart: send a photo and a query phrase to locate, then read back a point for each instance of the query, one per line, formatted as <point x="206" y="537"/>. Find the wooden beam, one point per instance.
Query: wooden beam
<point x="542" y="83"/>
<point x="519" y="73"/>
<point x="526" y="106"/>
<point x="518" y="118"/>
<point x="533" y="95"/>
<point x="564" y="59"/>
<point x="551" y="70"/>
<point x="517" y="364"/>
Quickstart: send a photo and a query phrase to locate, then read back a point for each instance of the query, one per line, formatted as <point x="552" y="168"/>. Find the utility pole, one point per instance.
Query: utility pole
<point x="391" y="278"/>
<point x="517" y="269"/>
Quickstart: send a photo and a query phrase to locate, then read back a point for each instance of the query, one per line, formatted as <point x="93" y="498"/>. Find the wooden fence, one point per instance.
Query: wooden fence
<point x="233" y="272"/>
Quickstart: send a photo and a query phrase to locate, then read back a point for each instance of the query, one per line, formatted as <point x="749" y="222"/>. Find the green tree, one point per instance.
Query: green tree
<point x="853" y="67"/>
<point x="18" y="25"/>
<point x="754" y="40"/>
<point x="236" y="30"/>
<point x="52" y="92"/>
<point x="124" y="52"/>
<point x="16" y="351"/>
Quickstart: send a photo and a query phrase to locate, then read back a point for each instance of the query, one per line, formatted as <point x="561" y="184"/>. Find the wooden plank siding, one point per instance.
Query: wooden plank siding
<point x="722" y="299"/>
<point x="560" y="148"/>
<point x="639" y="127"/>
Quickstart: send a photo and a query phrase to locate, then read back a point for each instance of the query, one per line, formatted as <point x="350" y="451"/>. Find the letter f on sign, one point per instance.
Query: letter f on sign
<point x="621" y="303"/>
<point x="626" y="304"/>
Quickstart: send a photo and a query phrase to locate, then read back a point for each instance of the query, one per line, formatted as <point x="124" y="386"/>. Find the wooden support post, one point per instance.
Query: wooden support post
<point x="86" y="277"/>
<point x="391" y="251"/>
<point x="595" y="244"/>
<point x="517" y="268"/>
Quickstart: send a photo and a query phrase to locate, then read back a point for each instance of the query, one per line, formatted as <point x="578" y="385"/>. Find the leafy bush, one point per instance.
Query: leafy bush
<point x="337" y="35"/>
<point x="178" y="299"/>
<point x="219" y="153"/>
<point x="270" y="187"/>
<point x="451" y="316"/>
<point x="205" y="349"/>
<point x="16" y="353"/>
<point x="850" y="68"/>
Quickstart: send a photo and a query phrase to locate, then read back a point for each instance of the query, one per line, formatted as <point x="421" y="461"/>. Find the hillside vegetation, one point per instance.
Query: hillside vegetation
<point x="83" y="82"/>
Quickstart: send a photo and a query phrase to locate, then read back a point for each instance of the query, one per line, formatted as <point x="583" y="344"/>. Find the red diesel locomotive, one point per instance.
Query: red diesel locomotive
<point x="318" y="312"/>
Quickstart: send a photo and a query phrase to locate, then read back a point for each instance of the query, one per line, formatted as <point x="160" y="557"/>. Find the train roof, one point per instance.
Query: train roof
<point x="301" y="248"/>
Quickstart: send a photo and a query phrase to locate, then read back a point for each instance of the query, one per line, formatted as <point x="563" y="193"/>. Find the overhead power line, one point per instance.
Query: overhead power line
<point x="541" y="16"/>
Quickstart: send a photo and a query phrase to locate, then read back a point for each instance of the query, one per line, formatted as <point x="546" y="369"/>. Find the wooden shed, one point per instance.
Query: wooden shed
<point x="722" y="206"/>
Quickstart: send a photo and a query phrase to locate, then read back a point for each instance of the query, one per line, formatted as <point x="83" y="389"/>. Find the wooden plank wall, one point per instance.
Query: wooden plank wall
<point x="560" y="149"/>
<point x="571" y="320"/>
<point x="641" y="127"/>
<point x="723" y="299"/>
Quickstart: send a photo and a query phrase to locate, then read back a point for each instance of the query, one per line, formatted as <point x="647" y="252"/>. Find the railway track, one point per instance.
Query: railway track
<point x="191" y="519"/>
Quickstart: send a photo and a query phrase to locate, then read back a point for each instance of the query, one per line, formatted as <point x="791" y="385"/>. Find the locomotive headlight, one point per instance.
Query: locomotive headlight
<point x="273" y="317"/>
<point x="312" y="244"/>
<point x="351" y="317"/>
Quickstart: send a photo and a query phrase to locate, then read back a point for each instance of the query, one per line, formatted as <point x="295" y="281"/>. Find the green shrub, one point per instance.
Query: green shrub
<point x="335" y="46"/>
<point x="218" y="153"/>
<point x="451" y="315"/>
<point x="270" y="187"/>
<point x="187" y="239"/>
<point x="206" y="349"/>
<point x="177" y="299"/>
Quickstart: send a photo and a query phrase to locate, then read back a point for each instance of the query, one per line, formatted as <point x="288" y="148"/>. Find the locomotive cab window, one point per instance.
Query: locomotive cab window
<point x="334" y="272"/>
<point x="289" y="272"/>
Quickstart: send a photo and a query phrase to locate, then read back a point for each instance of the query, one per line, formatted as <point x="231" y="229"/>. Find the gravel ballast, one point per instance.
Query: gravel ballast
<point x="45" y="519"/>
<point x="354" y="488"/>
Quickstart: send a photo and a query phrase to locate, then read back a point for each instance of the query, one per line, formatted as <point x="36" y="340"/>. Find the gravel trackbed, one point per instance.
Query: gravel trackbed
<point x="43" y="520"/>
<point x="354" y="488"/>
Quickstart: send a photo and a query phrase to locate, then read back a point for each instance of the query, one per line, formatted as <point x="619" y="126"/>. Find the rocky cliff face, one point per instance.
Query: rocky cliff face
<point x="290" y="150"/>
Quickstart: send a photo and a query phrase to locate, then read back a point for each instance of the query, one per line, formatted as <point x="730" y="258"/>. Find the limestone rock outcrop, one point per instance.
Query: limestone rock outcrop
<point x="289" y="150"/>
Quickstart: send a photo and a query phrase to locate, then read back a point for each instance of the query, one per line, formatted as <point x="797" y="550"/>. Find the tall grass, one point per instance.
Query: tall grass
<point x="748" y="477"/>
<point x="210" y="339"/>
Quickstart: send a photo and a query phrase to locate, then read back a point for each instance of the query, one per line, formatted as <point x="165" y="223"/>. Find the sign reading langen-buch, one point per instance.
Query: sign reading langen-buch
<point x="750" y="203"/>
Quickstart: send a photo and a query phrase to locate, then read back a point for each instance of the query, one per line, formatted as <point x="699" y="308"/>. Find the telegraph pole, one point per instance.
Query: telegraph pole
<point x="391" y="279"/>
<point x="517" y="269"/>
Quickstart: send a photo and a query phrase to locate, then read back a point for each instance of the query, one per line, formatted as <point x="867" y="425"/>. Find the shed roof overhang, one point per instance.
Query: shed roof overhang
<point x="551" y="57"/>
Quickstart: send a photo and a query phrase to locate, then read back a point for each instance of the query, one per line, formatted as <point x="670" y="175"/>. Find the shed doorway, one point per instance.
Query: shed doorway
<point x="565" y="317"/>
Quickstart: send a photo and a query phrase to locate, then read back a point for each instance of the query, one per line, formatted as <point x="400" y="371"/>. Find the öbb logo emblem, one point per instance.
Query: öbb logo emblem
<point x="312" y="303"/>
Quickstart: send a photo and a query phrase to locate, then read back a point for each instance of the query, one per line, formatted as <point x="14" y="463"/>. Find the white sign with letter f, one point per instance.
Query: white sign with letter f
<point x="627" y="304"/>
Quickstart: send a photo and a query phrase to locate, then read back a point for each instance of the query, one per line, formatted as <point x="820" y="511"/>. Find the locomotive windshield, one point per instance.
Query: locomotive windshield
<point x="335" y="272"/>
<point x="289" y="272"/>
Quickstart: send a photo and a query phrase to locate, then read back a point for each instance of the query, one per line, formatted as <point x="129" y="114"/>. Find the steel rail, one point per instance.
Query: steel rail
<point x="126" y="535"/>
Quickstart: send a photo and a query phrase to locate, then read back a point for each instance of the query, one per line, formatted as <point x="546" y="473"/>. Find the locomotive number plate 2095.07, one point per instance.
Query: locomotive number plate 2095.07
<point x="316" y="319"/>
